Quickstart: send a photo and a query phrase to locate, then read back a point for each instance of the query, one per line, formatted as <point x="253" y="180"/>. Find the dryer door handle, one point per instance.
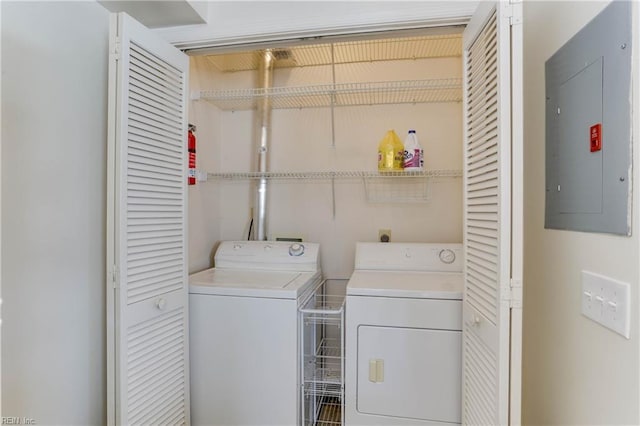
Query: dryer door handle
<point x="376" y="370"/>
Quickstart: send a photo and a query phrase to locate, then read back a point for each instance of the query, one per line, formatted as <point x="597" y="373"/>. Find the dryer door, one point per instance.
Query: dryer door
<point x="409" y="373"/>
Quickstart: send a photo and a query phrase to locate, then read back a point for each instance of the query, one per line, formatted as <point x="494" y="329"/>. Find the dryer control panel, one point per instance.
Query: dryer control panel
<point x="409" y="257"/>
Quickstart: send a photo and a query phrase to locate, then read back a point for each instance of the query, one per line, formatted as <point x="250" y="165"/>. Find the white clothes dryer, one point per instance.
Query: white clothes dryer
<point x="244" y="346"/>
<point x="404" y="335"/>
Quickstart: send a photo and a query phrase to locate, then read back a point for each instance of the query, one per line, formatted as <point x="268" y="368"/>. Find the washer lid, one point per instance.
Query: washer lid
<point x="421" y="285"/>
<point x="251" y="283"/>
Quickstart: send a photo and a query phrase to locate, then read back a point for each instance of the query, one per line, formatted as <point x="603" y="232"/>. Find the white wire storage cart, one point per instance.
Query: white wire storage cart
<point x="322" y="364"/>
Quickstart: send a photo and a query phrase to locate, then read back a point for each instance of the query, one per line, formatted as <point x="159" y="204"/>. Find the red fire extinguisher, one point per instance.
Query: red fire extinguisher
<point x="192" y="155"/>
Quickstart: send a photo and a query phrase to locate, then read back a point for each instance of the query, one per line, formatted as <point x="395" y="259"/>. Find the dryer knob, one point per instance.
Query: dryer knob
<point x="296" y="249"/>
<point x="447" y="256"/>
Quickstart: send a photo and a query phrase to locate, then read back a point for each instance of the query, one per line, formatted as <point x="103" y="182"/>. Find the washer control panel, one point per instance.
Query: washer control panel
<point x="273" y="255"/>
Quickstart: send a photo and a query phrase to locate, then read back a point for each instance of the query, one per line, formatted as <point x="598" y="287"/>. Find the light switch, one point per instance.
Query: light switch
<point x="606" y="301"/>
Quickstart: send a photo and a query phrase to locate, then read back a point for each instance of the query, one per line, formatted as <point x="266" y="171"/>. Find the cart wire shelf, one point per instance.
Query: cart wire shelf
<point x="314" y="388"/>
<point x="329" y="412"/>
<point x="322" y="372"/>
<point x="330" y="373"/>
<point x="329" y="348"/>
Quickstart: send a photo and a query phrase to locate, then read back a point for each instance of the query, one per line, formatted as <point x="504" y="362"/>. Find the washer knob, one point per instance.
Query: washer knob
<point x="296" y="249"/>
<point x="447" y="256"/>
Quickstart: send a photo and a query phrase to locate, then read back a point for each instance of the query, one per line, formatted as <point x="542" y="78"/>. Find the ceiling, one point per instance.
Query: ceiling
<point x="161" y="13"/>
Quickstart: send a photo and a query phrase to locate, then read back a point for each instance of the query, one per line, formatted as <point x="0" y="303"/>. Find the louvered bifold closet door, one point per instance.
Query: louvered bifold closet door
<point x="149" y="228"/>
<point x="487" y="222"/>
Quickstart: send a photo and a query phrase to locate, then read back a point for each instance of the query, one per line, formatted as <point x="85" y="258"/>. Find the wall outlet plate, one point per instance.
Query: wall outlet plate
<point x="606" y="301"/>
<point x="384" y="235"/>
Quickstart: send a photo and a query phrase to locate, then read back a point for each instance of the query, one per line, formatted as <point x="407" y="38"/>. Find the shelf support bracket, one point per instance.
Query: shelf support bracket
<point x="333" y="101"/>
<point x="333" y="196"/>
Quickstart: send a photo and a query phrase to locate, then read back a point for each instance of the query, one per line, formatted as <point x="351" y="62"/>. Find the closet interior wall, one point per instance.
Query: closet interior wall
<point x="302" y="141"/>
<point x="204" y="200"/>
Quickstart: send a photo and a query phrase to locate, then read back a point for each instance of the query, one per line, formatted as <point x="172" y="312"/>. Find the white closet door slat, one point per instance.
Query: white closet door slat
<point x="142" y="246"/>
<point x="480" y="380"/>
<point x="150" y="372"/>
<point x="141" y="149"/>
<point x="487" y="242"/>
<point x="160" y="126"/>
<point x="487" y="215"/>
<point x="147" y="346"/>
<point x="482" y="208"/>
<point x="483" y="147"/>
<point x="163" y="71"/>
<point x="143" y="64"/>
<point x="149" y="98"/>
<point x="166" y="84"/>
<point x="139" y="125"/>
<point x="484" y="168"/>
<point x="142" y="133"/>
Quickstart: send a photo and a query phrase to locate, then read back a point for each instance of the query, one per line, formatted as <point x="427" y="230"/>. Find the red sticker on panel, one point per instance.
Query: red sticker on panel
<point x="596" y="137"/>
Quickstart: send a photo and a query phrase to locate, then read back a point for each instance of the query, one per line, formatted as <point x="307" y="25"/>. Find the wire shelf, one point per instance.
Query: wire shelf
<point x="329" y="374"/>
<point x="329" y="355"/>
<point x="322" y="369"/>
<point x="410" y="190"/>
<point x="329" y="412"/>
<point x="380" y="187"/>
<point x="325" y="305"/>
<point x="328" y="175"/>
<point x="344" y="94"/>
<point x="322" y="389"/>
<point x="327" y="362"/>
<point x="329" y="348"/>
<point x="390" y="49"/>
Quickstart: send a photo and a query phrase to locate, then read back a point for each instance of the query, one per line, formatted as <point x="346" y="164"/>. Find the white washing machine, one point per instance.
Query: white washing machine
<point x="404" y="335"/>
<point x="244" y="347"/>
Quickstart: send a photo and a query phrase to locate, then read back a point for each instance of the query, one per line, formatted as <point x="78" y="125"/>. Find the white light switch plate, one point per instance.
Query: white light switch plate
<point x="606" y="301"/>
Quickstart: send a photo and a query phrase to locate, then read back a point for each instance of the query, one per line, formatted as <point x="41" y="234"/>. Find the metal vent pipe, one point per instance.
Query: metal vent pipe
<point x="263" y="114"/>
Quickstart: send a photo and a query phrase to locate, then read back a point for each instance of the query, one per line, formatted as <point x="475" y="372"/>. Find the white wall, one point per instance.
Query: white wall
<point x="301" y="141"/>
<point x="54" y="86"/>
<point x="204" y="202"/>
<point x="575" y="371"/>
<point x="249" y="21"/>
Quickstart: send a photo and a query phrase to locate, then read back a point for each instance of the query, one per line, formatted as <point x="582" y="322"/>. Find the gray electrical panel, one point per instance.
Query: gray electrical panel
<point x="588" y="127"/>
